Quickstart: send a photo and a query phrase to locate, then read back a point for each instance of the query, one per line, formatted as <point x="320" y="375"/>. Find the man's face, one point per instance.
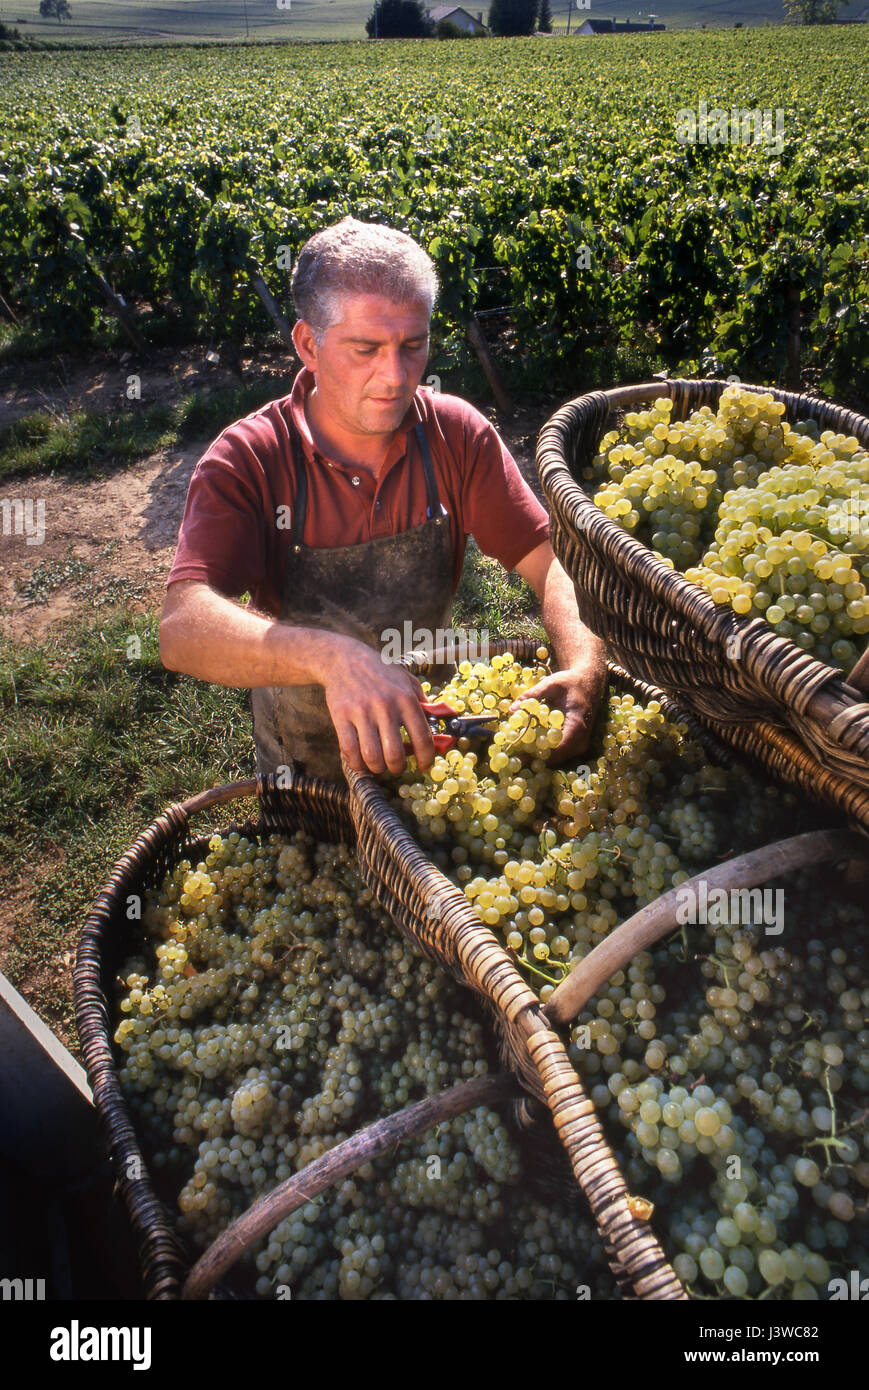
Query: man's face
<point x="371" y="362"/>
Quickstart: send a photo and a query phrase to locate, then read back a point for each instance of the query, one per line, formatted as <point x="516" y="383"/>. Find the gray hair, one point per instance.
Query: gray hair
<point x="358" y="258"/>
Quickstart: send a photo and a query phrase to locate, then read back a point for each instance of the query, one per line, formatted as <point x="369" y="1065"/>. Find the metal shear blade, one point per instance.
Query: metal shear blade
<point x="475" y="726"/>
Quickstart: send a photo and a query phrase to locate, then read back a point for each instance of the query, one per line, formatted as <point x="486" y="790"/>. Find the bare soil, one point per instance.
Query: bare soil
<point x="124" y="527"/>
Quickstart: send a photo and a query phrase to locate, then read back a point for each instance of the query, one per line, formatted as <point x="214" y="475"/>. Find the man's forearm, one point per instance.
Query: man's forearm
<point x="369" y="700"/>
<point x="216" y="639"/>
<point x="575" y="647"/>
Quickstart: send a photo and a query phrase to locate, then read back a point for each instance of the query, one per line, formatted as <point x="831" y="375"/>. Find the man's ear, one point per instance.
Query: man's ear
<point x="305" y="344"/>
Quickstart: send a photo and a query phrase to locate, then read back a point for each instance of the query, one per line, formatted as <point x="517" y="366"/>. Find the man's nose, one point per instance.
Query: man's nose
<point x="392" y="370"/>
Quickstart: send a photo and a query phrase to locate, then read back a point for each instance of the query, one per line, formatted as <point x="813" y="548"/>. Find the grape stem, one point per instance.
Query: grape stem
<point x="724" y="966"/>
<point x="834" y="1140"/>
<point x="523" y="960"/>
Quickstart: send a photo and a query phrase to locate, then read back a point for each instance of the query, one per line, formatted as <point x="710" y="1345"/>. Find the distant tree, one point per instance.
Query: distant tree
<point x="544" y="17"/>
<point x="813" y="11"/>
<point x="509" y="18"/>
<point x="398" y="19"/>
<point x="54" y="9"/>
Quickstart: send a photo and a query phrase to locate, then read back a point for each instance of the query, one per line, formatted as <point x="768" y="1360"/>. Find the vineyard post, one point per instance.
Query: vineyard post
<point x="792" y="348"/>
<point x="271" y="306"/>
<point x="481" y="348"/>
<point x="114" y="301"/>
<point x="7" y="309"/>
<point x="118" y="307"/>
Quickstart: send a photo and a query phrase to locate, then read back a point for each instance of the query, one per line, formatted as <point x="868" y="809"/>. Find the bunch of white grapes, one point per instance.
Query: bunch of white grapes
<point x="771" y="518"/>
<point x="274" y="1011"/>
<point x="552" y="858"/>
<point x="731" y="1066"/>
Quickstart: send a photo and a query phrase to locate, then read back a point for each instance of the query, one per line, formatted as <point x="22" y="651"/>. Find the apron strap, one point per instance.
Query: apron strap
<point x="434" y="502"/>
<point x="300" y="511"/>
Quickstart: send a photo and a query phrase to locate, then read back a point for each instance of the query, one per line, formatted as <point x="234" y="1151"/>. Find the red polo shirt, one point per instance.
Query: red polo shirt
<point x="235" y="537"/>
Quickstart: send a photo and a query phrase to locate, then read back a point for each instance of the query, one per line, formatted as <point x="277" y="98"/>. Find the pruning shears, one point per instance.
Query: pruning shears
<point x="455" y="725"/>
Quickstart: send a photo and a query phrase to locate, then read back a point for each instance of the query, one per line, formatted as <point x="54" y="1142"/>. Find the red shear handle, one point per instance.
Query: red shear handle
<point x="439" y="710"/>
<point x="442" y="742"/>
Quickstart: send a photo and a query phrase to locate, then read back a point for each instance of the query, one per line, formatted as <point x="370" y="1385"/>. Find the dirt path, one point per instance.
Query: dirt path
<point x="65" y="383"/>
<point x="108" y="539"/>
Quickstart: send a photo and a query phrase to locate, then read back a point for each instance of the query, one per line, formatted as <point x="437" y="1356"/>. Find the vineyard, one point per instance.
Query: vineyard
<point x="549" y="181"/>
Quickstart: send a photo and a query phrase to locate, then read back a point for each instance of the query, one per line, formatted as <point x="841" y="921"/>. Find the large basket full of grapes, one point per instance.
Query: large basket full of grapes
<point x="113" y="933"/>
<point x="244" y="1007"/>
<point x="659" y="1004"/>
<point x="718" y="539"/>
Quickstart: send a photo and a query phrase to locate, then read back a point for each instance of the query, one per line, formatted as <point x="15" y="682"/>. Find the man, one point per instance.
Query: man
<point x="344" y="510"/>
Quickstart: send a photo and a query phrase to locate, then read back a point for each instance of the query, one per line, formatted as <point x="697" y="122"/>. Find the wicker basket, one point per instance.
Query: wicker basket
<point x="106" y="940"/>
<point x="407" y="885"/>
<point x="795" y="716"/>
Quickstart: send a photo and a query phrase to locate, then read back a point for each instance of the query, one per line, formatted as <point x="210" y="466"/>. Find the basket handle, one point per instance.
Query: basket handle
<point x="228" y="791"/>
<point x="268" y="1211"/>
<point x="858" y="677"/>
<point x="659" y="918"/>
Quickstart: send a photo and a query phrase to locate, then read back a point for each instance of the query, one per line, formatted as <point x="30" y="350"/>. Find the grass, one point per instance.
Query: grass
<point x="93" y="722"/>
<point x="93" y="443"/>
<point x="98" y="738"/>
<point x="491" y="599"/>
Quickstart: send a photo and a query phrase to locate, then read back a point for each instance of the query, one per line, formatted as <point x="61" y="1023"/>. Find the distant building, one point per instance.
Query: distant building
<point x="616" y="26"/>
<point x="456" y="15"/>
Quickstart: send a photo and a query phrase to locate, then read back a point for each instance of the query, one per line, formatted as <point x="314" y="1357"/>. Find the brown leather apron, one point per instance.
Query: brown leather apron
<point x="362" y="591"/>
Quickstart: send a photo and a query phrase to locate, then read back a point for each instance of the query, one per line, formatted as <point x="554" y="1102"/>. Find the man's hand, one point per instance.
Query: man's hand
<point x="207" y="635"/>
<point x="577" y="688"/>
<point x="577" y="694"/>
<point x="368" y="700"/>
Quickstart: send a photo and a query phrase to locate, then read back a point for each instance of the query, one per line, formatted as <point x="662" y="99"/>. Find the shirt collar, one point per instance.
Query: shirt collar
<point x="302" y="387"/>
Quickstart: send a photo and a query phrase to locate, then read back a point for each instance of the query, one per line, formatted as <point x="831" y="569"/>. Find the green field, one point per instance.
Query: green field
<point x="547" y="178"/>
<point x="98" y="21"/>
